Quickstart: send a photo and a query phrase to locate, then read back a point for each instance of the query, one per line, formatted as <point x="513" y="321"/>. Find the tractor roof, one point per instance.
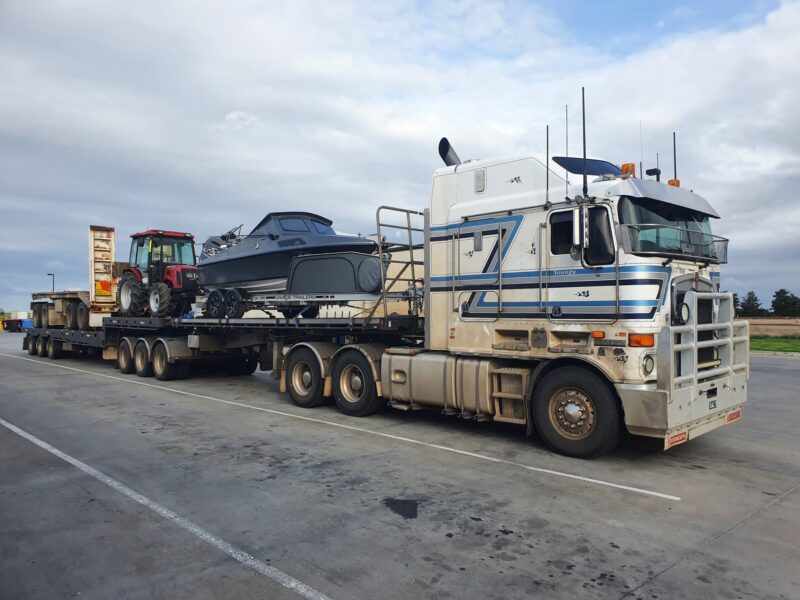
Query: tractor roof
<point x="162" y="233"/>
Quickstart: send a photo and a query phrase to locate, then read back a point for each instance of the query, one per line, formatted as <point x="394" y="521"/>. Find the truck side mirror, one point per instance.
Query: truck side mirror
<point x="576" y="227"/>
<point x="585" y="225"/>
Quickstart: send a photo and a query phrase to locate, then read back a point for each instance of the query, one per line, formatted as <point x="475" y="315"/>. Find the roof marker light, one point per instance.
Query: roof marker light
<point x="629" y="169"/>
<point x="674" y="182"/>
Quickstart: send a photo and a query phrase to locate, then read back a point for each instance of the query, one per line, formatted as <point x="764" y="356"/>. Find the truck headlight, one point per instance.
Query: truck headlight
<point x="648" y="364"/>
<point x="684" y="314"/>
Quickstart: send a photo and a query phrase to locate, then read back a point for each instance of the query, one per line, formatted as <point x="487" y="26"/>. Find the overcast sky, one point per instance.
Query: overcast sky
<point x="199" y="116"/>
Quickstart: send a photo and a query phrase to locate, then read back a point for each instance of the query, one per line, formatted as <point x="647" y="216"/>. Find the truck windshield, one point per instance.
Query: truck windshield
<point x="660" y="228"/>
<point x="173" y="251"/>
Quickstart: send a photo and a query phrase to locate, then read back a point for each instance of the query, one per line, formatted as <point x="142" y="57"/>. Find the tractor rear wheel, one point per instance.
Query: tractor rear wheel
<point x="159" y="299"/>
<point x="131" y="296"/>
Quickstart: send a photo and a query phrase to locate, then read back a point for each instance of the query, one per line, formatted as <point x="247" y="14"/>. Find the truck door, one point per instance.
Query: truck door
<point x="563" y="264"/>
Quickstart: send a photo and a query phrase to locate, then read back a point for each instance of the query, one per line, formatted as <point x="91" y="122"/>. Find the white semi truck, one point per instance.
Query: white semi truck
<point x="575" y="317"/>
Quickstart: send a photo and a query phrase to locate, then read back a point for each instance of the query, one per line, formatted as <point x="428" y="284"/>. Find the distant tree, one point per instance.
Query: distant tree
<point x="751" y="306"/>
<point x="785" y="304"/>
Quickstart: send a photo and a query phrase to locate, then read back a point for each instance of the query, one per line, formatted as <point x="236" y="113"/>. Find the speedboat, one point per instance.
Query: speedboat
<point x="259" y="262"/>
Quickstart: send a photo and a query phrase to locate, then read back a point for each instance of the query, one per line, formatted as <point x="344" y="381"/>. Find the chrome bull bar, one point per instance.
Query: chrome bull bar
<point x="678" y="346"/>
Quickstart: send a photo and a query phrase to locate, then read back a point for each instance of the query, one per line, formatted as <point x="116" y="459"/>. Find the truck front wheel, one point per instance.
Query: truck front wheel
<point x="576" y="413"/>
<point x="304" y="378"/>
<point x="354" y="386"/>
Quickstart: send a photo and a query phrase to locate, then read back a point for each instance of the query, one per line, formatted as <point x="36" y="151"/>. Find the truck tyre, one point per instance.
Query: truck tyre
<point x="41" y="346"/>
<point x="158" y="300"/>
<point x="32" y="345"/>
<point x="131" y="296"/>
<point x="143" y="367"/>
<point x="354" y="386"/>
<point x="125" y="358"/>
<point x="304" y="378"/>
<point x="53" y="349"/>
<point x="576" y="413"/>
<point x="162" y="368"/>
<point x="234" y="304"/>
<point x="82" y="317"/>
<point x="71" y="315"/>
<point x="215" y="304"/>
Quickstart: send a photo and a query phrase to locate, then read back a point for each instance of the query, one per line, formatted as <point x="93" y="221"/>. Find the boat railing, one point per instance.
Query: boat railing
<point x="400" y="246"/>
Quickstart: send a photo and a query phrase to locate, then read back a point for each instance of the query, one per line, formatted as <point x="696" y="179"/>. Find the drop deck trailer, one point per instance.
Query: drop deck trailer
<point x="577" y="318"/>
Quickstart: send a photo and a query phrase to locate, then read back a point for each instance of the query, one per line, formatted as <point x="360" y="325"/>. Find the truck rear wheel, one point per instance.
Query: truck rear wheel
<point x="125" y="359"/>
<point x="143" y="367"/>
<point x="131" y="296"/>
<point x="162" y="368"/>
<point x="354" y="386"/>
<point x="41" y="346"/>
<point x="53" y="349"/>
<point x="304" y="378"/>
<point x="576" y="413"/>
<point x="32" y="345"/>
<point x="82" y="317"/>
<point x="71" y="315"/>
<point x="158" y="299"/>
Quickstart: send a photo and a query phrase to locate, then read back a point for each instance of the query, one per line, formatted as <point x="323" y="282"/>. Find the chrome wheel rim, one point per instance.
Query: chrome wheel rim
<point x="155" y="301"/>
<point x="302" y="378"/>
<point x="351" y="383"/>
<point x="572" y="413"/>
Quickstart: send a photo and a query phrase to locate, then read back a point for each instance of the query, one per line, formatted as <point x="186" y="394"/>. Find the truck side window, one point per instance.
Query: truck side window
<point x="561" y="232"/>
<point x="601" y="242"/>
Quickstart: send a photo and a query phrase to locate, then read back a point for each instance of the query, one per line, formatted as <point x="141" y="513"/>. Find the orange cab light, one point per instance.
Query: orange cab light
<point x="598" y="335"/>
<point x="674" y="182"/>
<point x="629" y="170"/>
<point x="641" y="340"/>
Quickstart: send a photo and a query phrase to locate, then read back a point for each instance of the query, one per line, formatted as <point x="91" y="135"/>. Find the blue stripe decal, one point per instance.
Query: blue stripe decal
<point x="646" y="303"/>
<point x="563" y="272"/>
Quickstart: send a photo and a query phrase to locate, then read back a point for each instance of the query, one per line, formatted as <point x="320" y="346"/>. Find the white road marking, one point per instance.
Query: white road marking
<point x="243" y="557"/>
<point x="390" y="436"/>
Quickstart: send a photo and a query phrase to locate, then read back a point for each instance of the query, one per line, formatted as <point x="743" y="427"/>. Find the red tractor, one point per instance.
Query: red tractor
<point x="161" y="276"/>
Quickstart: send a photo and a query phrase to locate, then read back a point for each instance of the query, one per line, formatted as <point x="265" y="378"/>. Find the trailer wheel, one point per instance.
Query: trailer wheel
<point x="162" y="368"/>
<point x="82" y="317"/>
<point x="354" y="386"/>
<point x="143" y="367"/>
<point x="124" y="358"/>
<point x="131" y="296"/>
<point x="215" y="304"/>
<point x="41" y="346"/>
<point x="234" y="305"/>
<point x="158" y="299"/>
<point x="304" y="378"/>
<point x="576" y="413"/>
<point x="53" y="349"/>
<point x="32" y="345"/>
<point x="71" y="315"/>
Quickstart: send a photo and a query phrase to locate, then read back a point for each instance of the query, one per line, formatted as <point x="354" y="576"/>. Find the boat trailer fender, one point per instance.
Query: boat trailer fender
<point x="373" y="353"/>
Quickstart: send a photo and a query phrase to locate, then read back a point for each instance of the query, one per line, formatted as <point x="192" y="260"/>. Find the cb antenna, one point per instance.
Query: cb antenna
<point x="674" y="158"/>
<point x="583" y="123"/>
<point x="547" y="165"/>
<point x="641" y="149"/>
<point x="566" y="129"/>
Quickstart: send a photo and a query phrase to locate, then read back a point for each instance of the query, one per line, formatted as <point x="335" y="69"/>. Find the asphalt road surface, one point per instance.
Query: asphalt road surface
<point x="113" y="486"/>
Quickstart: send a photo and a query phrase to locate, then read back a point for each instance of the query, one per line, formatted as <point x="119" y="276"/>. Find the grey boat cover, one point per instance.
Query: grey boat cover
<point x="335" y="273"/>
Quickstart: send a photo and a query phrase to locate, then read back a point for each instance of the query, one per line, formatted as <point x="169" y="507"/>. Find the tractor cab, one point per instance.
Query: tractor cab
<point x="161" y="277"/>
